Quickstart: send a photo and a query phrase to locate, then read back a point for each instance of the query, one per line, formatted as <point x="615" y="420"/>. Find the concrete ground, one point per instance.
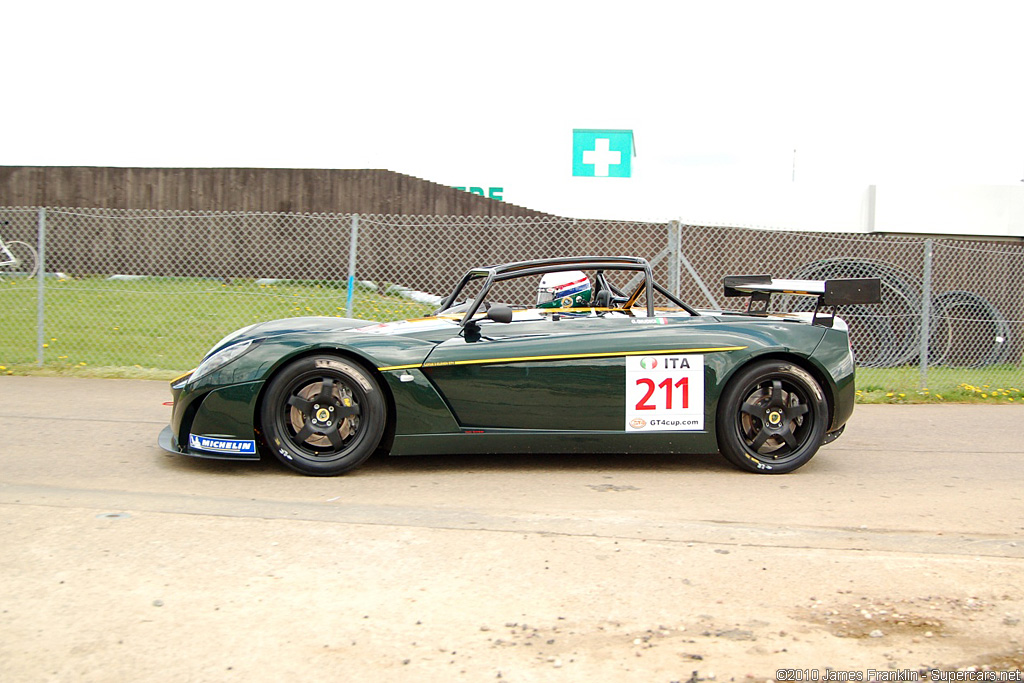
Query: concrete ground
<point x="900" y="546"/>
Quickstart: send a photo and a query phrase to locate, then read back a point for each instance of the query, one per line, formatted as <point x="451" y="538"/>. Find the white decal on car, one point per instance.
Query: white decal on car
<point x="664" y="393"/>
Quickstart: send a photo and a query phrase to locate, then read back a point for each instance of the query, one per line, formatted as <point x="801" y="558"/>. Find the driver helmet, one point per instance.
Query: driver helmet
<point x="567" y="289"/>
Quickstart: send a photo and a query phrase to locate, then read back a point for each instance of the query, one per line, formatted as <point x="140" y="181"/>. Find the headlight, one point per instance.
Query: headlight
<point x="221" y="358"/>
<point x="234" y="335"/>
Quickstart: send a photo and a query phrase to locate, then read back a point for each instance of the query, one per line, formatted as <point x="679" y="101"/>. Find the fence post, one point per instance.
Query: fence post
<point x="700" y="282"/>
<point x="674" y="251"/>
<point x="679" y="260"/>
<point x="926" y="309"/>
<point x="353" y="242"/>
<point x="40" y="282"/>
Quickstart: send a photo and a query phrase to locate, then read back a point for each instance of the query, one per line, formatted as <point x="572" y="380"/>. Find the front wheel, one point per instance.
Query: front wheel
<point x="771" y="418"/>
<point x="323" y="415"/>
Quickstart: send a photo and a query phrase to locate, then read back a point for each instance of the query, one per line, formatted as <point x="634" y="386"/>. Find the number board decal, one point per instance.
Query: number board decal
<point x="664" y="393"/>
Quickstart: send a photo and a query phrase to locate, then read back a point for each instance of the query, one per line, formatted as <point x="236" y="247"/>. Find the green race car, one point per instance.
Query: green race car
<point x="583" y="354"/>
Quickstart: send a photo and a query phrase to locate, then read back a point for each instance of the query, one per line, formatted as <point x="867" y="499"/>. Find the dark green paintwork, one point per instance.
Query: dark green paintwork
<point x="227" y="412"/>
<point x="557" y="405"/>
<point x="419" y="409"/>
<point x="541" y="383"/>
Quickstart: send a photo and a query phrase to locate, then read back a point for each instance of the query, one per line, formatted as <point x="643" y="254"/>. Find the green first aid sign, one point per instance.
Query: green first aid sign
<point x="602" y="153"/>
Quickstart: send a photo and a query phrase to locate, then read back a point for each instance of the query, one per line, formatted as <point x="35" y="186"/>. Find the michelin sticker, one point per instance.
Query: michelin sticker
<point x="216" y="445"/>
<point x="664" y="393"/>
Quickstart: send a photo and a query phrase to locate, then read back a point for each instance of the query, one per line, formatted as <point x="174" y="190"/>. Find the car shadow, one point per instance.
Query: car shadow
<point x="392" y="466"/>
<point x="226" y="468"/>
<point x="543" y="462"/>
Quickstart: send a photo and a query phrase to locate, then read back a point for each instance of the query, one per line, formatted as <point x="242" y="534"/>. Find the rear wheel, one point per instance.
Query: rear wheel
<point x="771" y="418"/>
<point x="323" y="415"/>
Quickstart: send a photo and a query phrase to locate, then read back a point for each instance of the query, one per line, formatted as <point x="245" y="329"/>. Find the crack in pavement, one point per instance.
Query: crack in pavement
<point x="618" y="526"/>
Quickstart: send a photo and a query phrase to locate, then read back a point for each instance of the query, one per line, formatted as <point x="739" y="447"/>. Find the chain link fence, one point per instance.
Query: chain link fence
<point x="155" y="289"/>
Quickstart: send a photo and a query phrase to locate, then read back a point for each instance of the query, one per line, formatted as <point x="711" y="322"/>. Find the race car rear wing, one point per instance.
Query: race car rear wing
<point x="830" y="293"/>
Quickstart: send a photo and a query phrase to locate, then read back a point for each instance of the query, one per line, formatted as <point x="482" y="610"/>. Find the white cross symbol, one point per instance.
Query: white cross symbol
<point x="601" y="157"/>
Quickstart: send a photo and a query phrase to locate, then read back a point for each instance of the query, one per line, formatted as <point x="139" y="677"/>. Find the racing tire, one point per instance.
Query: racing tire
<point x="771" y="418"/>
<point x="323" y="415"/>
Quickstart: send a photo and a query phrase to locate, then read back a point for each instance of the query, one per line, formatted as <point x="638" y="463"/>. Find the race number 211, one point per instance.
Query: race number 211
<point x="680" y="387"/>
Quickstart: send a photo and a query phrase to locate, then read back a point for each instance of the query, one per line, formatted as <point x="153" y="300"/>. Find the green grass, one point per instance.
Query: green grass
<point x="156" y="328"/>
<point x="159" y="327"/>
<point x="991" y="384"/>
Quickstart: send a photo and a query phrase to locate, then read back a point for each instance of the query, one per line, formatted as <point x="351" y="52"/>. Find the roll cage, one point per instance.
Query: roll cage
<point x="508" y="271"/>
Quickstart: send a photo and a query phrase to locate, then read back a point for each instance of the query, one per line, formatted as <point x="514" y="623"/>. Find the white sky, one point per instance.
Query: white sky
<point x="718" y="94"/>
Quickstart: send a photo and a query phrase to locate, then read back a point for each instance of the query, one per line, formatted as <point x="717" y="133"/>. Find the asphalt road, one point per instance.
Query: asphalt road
<point x="901" y="545"/>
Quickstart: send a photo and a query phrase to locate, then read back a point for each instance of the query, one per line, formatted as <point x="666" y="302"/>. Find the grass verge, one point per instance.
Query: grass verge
<point x="157" y="328"/>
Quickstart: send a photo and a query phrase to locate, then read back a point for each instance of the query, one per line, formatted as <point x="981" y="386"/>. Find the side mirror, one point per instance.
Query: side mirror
<point x="499" y="314"/>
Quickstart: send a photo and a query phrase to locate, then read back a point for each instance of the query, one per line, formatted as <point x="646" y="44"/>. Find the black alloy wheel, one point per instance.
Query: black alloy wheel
<point x="323" y="415"/>
<point x="771" y="418"/>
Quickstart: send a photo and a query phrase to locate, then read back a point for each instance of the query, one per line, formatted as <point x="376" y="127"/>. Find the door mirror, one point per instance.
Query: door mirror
<point x="499" y="314"/>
